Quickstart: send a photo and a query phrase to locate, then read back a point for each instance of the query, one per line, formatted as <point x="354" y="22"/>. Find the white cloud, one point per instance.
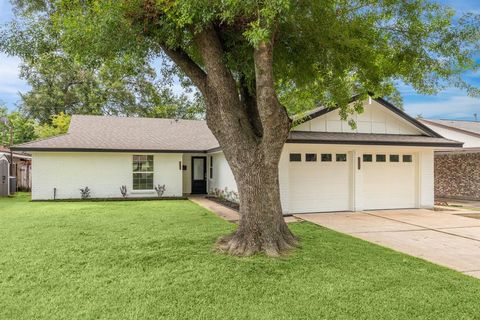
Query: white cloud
<point x="446" y="107"/>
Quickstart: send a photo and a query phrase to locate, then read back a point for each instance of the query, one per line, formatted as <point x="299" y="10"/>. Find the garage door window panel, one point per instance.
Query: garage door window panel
<point x="295" y="157"/>
<point x="310" y="157"/>
<point x="394" y="158"/>
<point x="367" y="158"/>
<point x="341" y="157"/>
<point x="326" y="157"/>
<point x="407" y="158"/>
<point x="380" y="158"/>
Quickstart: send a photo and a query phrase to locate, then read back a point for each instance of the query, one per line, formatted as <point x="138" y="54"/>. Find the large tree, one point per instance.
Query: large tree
<point x="23" y="127"/>
<point x="59" y="83"/>
<point x="253" y="59"/>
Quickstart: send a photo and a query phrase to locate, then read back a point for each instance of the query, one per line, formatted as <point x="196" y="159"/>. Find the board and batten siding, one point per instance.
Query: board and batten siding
<point x="104" y="173"/>
<point x="375" y="119"/>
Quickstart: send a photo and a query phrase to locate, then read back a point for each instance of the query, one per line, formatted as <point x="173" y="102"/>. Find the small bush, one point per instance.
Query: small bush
<point x="85" y="193"/>
<point x="225" y="194"/>
<point x="123" y="191"/>
<point x="160" y="190"/>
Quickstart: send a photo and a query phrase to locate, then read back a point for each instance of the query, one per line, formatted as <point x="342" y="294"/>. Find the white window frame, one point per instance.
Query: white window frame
<point x="152" y="172"/>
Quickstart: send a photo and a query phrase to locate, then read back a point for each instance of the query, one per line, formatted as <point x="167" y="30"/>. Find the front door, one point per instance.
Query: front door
<point x="199" y="175"/>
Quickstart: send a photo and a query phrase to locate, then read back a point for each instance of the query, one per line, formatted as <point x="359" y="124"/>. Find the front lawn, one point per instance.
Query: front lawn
<point x="154" y="260"/>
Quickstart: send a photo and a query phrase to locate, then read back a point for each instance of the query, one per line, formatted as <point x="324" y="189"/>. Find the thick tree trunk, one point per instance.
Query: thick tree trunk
<point x="251" y="127"/>
<point x="262" y="227"/>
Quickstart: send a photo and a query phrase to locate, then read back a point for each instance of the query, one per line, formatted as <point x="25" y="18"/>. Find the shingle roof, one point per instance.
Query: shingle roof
<point x="5" y="150"/>
<point x="104" y="133"/>
<point x="470" y="126"/>
<point x="369" y="139"/>
<point x="117" y="134"/>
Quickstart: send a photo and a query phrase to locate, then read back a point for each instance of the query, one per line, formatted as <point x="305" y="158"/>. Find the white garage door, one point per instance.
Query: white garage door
<point x="319" y="182"/>
<point x="389" y="181"/>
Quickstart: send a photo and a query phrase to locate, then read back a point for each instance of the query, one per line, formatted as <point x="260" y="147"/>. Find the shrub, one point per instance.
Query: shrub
<point x="123" y="191"/>
<point x="160" y="190"/>
<point x="85" y="193"/>
<point x="225" y="194"/>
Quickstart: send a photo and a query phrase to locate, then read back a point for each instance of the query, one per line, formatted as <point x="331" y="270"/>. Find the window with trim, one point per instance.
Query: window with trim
<point x="380" y="158"/>
<point x="142" y="172"/>
<point x="310" y="157"/>
<point x="367" y="158"/>
<point x="211" y="167"/>
<point x="295" y="157"/>
<point x="326" y="157"/>
<point x="394" y="158"/>
<point x="341" y="157"/>
<point x="407" y="158"/>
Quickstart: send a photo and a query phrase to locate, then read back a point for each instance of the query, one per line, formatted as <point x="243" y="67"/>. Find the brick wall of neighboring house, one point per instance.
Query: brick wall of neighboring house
<point x="457" y="175"/>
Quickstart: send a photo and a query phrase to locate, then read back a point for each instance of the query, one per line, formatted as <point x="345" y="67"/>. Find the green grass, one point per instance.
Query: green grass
<point x="154" y="260"/>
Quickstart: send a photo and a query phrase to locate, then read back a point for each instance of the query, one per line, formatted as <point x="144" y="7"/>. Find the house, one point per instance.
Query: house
<point x="21" y="168"/>
<point x="457" y="171"/>
<point x="385" y="163"/>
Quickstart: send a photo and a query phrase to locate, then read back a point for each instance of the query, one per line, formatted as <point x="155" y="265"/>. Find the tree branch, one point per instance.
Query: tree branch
<point x="224" y="103"/>
<point x="275" y="120"/>
<point x="189" y="67"/>
<point x="248" y="99"/>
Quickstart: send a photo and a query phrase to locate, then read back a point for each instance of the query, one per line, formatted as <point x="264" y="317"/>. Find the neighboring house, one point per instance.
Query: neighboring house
<point x="457" y="172"/>
<point x="21" y="169"/>
<point x="385" y="163"/>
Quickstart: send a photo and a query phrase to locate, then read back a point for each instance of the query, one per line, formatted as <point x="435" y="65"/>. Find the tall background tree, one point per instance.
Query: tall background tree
<point x="24" y="127"/>
<point x="254" y="62"/>
<point x="59" y="83"/>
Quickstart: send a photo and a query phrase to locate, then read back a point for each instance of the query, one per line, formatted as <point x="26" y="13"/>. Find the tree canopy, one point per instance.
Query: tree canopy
<point x="60" y="83"/>
<point x="24" y="127"/>
<point x="59" y="125"/>
<point x="325" y="51"/>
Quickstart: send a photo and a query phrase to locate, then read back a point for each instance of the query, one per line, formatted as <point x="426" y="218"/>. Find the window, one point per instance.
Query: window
<point x="394" y="158"/>
<point x="380" y="158"/>
<point x="341" y="157"/>
<point x="407" y="158"/>
<point x="295" y="157"/>
<point x="211" y="167"/>
<point x="326" y="157"/>
<point x="367" y="158"/>
<point x="142" y="172"/>
<point x="311" y="157"/>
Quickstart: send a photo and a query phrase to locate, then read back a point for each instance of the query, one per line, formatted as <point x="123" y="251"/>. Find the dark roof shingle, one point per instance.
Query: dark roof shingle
<point x="103" y="133"/>
<point x="117" y="134"/>
<point x="470" y="126"/>
<point x="369" y="139"/>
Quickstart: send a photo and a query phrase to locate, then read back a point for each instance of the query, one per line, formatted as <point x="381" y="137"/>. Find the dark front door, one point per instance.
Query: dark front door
<point x="199" y="175"/>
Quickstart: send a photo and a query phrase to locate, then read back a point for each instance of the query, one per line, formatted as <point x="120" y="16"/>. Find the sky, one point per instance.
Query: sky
<point x="451" y="103"/>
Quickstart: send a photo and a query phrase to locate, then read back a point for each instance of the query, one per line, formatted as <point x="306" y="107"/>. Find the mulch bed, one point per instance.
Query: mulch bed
<point x="232" y="205"/>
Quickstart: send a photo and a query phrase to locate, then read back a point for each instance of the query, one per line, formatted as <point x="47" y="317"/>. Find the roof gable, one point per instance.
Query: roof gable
<point x="3" y="157"/>
<point x="379" y="117"/>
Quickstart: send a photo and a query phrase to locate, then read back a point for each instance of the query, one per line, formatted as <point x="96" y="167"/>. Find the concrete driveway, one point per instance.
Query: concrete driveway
<point x="449" y="240"/>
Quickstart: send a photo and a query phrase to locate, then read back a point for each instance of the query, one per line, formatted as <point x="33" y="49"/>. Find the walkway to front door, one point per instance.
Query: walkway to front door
<point x="446" y="239"/>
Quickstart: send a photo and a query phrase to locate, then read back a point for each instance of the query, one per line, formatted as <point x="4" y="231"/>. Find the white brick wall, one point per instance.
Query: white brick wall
<point x="103" y="173"/>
